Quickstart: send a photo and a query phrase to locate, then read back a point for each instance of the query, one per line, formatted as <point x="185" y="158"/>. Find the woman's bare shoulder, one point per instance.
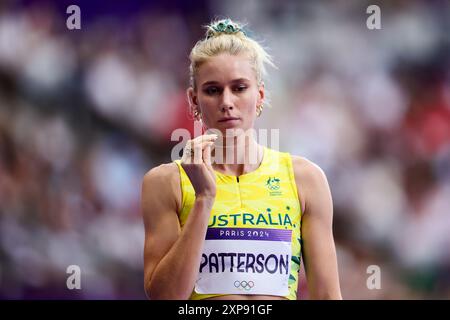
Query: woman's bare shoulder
<point x="165" y="180"/>
<point x="310" y="180"/>
<point x="163" y="172"/>
<point x="306" y="169"/>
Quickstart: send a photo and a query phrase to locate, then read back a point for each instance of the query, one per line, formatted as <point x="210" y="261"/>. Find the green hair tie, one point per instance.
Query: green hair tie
<point x="223" y="26"/>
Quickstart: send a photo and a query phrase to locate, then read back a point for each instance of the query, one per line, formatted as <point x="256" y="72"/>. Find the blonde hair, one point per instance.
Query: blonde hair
<point x="227" y="36"/>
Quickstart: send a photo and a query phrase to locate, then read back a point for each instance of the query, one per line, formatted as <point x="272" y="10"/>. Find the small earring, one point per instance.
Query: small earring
<point x="197" y="115"/>
<point x="259" y="109"/>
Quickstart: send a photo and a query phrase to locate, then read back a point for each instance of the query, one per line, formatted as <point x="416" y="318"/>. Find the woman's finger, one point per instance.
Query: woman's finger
<point x="207" y="152"/>
<point x="205" y="137"/>
<point x="194" y="149"/>
<point x="198" y="153"/>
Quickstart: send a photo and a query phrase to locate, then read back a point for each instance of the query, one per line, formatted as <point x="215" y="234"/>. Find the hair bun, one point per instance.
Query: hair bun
<point x="224" y="26"/>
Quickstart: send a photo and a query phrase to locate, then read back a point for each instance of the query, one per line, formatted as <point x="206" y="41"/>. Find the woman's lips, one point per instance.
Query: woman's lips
<point x="230" y="122"/>
<point x="228" y="119"/>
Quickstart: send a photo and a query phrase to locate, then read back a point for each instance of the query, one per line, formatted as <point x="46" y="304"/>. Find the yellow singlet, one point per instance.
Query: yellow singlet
<point x="253" y="242"/>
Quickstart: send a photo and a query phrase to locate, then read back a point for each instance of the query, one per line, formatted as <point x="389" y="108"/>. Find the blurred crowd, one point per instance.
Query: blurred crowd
<point x="85" y="113"/>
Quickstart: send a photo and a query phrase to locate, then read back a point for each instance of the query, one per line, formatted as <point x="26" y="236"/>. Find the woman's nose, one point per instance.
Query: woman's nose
<point x="226" y="107"/>
<point x="227" y="100"/>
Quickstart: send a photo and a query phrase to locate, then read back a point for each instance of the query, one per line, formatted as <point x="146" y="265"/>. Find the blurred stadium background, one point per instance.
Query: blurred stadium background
<point x="85" y="113"/>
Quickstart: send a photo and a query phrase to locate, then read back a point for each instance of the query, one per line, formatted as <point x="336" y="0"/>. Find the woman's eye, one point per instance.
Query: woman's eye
<point x="240" y="88"/>
<point x="212" y="90"/>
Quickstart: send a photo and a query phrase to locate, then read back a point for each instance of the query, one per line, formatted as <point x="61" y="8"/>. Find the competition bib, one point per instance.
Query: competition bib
<point x="245" y="261"/>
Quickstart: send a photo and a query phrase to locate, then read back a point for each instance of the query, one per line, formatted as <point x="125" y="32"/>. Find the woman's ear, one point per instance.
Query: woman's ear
<point x="261" y="94"/>
<point x="193" y="103"/>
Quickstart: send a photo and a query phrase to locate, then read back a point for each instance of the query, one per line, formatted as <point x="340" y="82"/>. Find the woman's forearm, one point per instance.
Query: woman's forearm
<point x="175" y="275"/>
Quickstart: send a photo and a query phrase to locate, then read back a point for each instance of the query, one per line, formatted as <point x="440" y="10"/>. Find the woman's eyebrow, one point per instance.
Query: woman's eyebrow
<point x="232" y="81"/>
<point x="207" y="83"/>
<point x="239" y="80"/>
<point x="217" y="82"/>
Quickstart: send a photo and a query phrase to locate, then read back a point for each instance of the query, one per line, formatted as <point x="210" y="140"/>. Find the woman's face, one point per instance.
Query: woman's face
<point x="227" y="93"/>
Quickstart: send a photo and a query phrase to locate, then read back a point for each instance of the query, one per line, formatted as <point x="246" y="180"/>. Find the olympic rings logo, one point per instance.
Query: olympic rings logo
<point x="273" y="183"/>
<point x="244" y="285"/>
